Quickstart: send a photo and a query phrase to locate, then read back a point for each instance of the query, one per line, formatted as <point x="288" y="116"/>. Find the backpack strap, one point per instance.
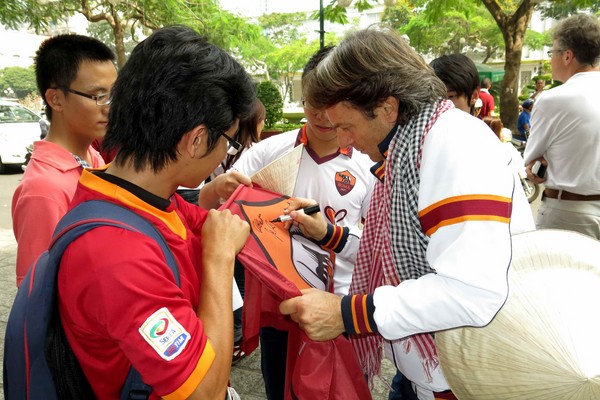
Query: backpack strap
<point x="34" y="321"/>
<point x="83" y="218"/>
<point x="112" y="215"/>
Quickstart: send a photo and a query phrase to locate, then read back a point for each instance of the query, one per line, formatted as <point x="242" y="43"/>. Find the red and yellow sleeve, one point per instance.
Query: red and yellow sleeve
<point x="459" y="209"/>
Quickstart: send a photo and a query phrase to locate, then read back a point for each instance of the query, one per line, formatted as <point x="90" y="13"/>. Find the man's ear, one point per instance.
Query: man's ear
<point x="390" y="109"/>
<point x="54" y="99"/>
<point x="195" y="141"/>
<point x="568" y="56"/>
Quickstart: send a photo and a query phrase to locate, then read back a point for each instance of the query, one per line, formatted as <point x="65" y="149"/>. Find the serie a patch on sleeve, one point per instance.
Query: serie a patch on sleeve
<point x="166" y="336"/>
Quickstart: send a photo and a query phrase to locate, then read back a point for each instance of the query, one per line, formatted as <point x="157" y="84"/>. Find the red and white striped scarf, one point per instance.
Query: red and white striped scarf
<point x="393" y="219"/>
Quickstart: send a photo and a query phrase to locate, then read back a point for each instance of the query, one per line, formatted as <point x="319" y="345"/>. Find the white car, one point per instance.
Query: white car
<point x="19" y="128"/>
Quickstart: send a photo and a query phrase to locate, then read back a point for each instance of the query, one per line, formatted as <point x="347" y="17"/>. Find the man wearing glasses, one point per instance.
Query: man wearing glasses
<point x="565" y="131"/>
<point x="75" y="75"/>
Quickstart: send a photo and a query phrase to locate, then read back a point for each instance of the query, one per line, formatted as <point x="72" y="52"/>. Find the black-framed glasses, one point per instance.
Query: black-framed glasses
<point x="102" y="99"/>
<point x="551" y="51"/>
<point x="234" y="145"/>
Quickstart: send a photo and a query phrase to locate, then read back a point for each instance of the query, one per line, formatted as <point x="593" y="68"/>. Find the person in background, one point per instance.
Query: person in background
<point x="477" y="107"/>
<point x="459" y="74"/>
<point x="436" y="245"/>
<point x="565" y="130"/>
<point x="540" y="84"/>
<point x="247" y="134"/>
<point x="524" y="121"/>
<point x="322" y="167"/>
<point x="74" y="76"/>
<point x="107" y="157"/>
<point x="176" y="103"/>
<point x="504" y="135"/>
<point x="487" y="98"/>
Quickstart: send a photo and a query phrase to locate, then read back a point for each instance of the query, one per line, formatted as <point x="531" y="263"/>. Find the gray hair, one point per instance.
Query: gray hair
<point x="369" y="66"/>
<point x="580" y="33"/>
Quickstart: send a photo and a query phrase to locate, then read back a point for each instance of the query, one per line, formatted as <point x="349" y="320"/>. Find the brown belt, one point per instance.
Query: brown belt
<point x="553" y="194"/>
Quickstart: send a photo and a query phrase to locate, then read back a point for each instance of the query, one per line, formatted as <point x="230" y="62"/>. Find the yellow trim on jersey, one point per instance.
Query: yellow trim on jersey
<point x="170" y="219"/>
<point x="197" y="375"/>
<point x="455" y="199"/>
<point x="466" y="218"/>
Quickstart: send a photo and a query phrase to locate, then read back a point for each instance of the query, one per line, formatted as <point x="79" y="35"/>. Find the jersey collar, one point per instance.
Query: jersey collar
<point x="379" y="168"/>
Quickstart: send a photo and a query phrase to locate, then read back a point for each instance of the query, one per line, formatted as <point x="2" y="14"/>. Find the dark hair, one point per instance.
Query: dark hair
<point x="369" y="66"/>
<point x="58" y="58"/>
<point x="315" y="59"/>
<point x="581" y="34"/>
<point x="247" y="132"/>
<point x="486" y="83"/>
<point x="173" y="82"/>
<point x="458" y="72"/>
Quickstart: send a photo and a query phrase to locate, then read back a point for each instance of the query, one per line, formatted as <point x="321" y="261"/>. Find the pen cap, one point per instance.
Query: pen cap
<point x="311" y="209"/>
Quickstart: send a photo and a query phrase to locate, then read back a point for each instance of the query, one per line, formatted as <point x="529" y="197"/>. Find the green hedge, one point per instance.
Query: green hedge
<point x="268" y="93"/>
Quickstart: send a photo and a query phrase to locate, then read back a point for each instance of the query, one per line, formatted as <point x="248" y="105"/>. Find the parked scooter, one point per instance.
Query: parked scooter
<point x="44" y="126"/>
<point x="532" y="190"/>
<point x="27" y="157"/>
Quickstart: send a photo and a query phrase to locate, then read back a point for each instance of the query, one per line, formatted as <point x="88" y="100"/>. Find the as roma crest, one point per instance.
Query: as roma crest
<point x="344" y="182"/>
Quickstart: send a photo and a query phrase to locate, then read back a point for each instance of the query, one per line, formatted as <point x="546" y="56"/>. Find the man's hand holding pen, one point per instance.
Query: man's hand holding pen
<point x="311" y="222"/>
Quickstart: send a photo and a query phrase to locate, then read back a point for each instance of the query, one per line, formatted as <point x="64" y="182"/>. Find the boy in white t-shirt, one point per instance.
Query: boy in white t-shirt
<point x="338" y="179"/>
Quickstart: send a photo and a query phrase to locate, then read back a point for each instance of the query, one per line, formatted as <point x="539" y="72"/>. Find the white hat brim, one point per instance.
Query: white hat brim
<point x="544" y="342"/>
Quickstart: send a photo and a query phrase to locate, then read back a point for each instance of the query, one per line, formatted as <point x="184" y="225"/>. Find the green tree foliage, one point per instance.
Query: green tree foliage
<point x="287" y="50"/>
<point x="536" y="40"/>
<point x="280" y="28"/>
<point x="512" y="18"/>
<point x="18" y="80"/>
<point x="286" y="62"/>
<point x="226" y="30"/>
<point x="559" y="9"/>
<point x="11" y="13"/>
<point x="104" y="32"/>
<point x="398" y="15"/>
<point x="268" y="93"/>
<point x="335" y="11"/>
<point x="131" y="18"/>
<point x="461" y="30"/>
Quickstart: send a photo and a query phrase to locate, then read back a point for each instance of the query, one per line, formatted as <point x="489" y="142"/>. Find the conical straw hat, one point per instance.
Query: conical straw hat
<point x="544" y="344"/>
<point x="280" y="175"/>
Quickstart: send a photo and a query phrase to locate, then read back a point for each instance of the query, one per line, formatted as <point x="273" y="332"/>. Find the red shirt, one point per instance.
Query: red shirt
<point x="42" y="198"/>
<point x="488" y="104"/>
<point x="120" y="304"/>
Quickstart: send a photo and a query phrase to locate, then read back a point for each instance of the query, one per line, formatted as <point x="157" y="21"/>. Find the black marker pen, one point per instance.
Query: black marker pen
<point x="307" y="210"/>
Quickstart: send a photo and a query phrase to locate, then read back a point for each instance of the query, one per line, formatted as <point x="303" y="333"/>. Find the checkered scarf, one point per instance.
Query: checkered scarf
<point x="393" y="218"/>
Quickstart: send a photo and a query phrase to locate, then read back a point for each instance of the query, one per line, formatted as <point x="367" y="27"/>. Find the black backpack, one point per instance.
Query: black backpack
<point x="38" y="360"/>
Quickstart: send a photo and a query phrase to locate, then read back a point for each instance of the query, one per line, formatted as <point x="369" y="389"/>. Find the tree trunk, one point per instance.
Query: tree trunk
<point x="509" y="103"/>
<point x="119" y="32"/>
<point x="513" y="29"/>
